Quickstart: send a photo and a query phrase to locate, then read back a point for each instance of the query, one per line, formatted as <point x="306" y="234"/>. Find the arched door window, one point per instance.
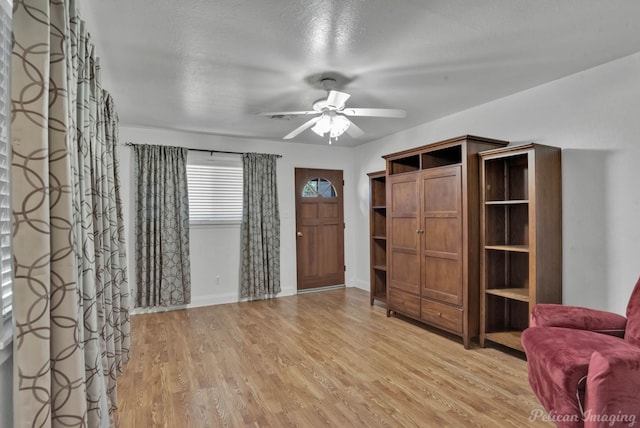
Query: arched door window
<point x="319" y="188"/>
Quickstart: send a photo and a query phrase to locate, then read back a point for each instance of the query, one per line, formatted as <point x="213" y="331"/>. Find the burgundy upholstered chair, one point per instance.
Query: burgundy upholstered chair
<point x="584" y="364"/>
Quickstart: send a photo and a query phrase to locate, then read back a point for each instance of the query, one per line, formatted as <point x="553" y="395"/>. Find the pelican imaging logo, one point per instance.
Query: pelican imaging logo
<point x="618" y="419"/>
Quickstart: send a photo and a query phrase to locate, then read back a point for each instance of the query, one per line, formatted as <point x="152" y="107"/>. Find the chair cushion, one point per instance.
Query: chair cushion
<point x="557" y="359"/>
<point x="632" y="333"/>
<point x="553" y="315"/>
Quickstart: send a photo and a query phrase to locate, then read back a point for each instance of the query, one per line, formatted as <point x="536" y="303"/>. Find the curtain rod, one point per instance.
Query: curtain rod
<point x="128" y="143"/>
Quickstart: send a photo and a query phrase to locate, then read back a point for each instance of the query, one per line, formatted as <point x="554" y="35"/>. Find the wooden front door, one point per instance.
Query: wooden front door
<point x="319" y="228"/>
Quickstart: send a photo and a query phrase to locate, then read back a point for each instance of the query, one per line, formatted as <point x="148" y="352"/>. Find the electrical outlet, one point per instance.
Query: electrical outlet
<point x="218" y="280"/>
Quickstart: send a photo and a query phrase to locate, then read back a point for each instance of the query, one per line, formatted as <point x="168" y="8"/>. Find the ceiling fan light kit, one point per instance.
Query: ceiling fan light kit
<point x="333" y="115"/>
<point x="331" y="123"/>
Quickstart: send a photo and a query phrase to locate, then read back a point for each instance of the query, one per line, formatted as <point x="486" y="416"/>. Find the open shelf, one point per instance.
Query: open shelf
<point x="378" y="193"/>
<point x="506" y="270"/>
<point x="507" y="224"/>
<point x="379" y="222"/>
<point x="405" y="164"/>
<point x="378" y="235"/>
<point x="521" y="218"/>
<point x="379" y="284"/>
<point x="521" y="294"/>
<point x="512" y="202"/>
<point x="379" y="252"/>
<point x="506" y="178"/>
<point x="510" y="339"/>
<point x="514" y="248"/>
<point x="505" y="314"/>
<point x="442" y="157"/>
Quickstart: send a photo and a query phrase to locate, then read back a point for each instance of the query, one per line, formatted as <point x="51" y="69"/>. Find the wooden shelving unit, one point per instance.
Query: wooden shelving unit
<point x="521" y="238"/>
<point x="378" y="236"/>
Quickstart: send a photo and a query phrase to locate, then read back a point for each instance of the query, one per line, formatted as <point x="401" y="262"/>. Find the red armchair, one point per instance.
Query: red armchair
<point x="584" y="364"/>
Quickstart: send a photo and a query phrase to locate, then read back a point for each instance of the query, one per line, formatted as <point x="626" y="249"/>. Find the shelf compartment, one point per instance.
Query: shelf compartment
<point x="443" y="157"/>
<point x="379" y="252"/>
<point x="379" y="219"/>
<point x="404" y="164"/>
<point x="506" y="270"/>
<point x="507" y="178"/>
<point x="378" y="192"/>
<point x="521" y="294"/>
<point x="379" y="284"/>
<point x="505" y="314"/>
<point x="507" y="224"/>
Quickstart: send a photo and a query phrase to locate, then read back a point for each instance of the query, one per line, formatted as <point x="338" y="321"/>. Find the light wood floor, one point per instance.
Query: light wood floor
<point x="325" y="359"/>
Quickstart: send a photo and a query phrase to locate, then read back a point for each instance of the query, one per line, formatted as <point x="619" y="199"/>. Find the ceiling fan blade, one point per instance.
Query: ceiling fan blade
<point x="308" y="124"/>
<point x="288" y="113"/>
<point x="354" y="130"/>
<point x="375" y="112"/>
<point x="337" y="99"/>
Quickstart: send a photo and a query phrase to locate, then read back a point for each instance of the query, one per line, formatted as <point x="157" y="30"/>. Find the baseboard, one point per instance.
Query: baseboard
<point x="202" y="301"/>
<point x="364" y="285"/>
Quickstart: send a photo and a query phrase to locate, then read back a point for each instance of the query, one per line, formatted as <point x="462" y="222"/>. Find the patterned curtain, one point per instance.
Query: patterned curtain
<point x="71" y="294"/>
<point x="260" y="231"/>
<point x="163" y="269"/>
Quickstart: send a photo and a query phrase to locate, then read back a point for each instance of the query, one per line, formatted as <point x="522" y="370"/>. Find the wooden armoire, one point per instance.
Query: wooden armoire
<point x="433" y="233"/>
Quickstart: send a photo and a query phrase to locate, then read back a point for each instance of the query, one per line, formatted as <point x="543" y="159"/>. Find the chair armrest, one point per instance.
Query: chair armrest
<point x="553" y="315"/>
<point x="613" y="382"/>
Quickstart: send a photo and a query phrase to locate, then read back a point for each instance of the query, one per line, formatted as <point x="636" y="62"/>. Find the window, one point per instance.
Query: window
<point x="6" y="258"/>
<point x="215" y="190"/>
<point x="319" y="188"/>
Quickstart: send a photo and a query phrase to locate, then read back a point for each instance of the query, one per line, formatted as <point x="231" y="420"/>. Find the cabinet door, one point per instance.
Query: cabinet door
<point x="442" y="249"/>
<point x="403" y="202"/>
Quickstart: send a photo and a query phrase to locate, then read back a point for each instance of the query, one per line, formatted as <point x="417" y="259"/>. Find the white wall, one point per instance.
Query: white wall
<point x="594" y="116"/>
<point x="215" y="250"/>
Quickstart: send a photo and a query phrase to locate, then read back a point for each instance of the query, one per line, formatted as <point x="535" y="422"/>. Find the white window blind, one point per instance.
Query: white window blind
<point x="215" y="192"/>
<point x="6" y="277"/>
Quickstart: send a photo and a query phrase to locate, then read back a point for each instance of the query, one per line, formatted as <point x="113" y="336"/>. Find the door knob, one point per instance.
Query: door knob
<point x="299" y="234"/>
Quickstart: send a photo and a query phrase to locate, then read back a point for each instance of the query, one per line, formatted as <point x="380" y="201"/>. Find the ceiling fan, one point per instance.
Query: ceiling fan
<point x="332" y="116"/>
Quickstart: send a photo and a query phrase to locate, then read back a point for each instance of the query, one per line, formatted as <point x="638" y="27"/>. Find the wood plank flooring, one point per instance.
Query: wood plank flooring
<point x="325" y="359"/>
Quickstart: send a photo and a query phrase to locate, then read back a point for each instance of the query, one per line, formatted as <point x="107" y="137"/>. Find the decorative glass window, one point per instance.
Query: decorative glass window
<point x="319" y="188"/>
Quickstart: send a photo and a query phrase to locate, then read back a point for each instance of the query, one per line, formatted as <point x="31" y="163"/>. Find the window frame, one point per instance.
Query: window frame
<point x="217" y="160"/>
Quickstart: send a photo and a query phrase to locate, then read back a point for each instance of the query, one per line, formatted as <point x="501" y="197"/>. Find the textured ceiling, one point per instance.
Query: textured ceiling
<point x="211" y="66"/>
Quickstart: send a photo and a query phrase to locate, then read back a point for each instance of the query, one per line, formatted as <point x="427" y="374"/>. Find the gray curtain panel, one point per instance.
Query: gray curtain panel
<point x="71" y="295"/>
<point x="163" y="270"/>
<point x="260" y="231"/>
